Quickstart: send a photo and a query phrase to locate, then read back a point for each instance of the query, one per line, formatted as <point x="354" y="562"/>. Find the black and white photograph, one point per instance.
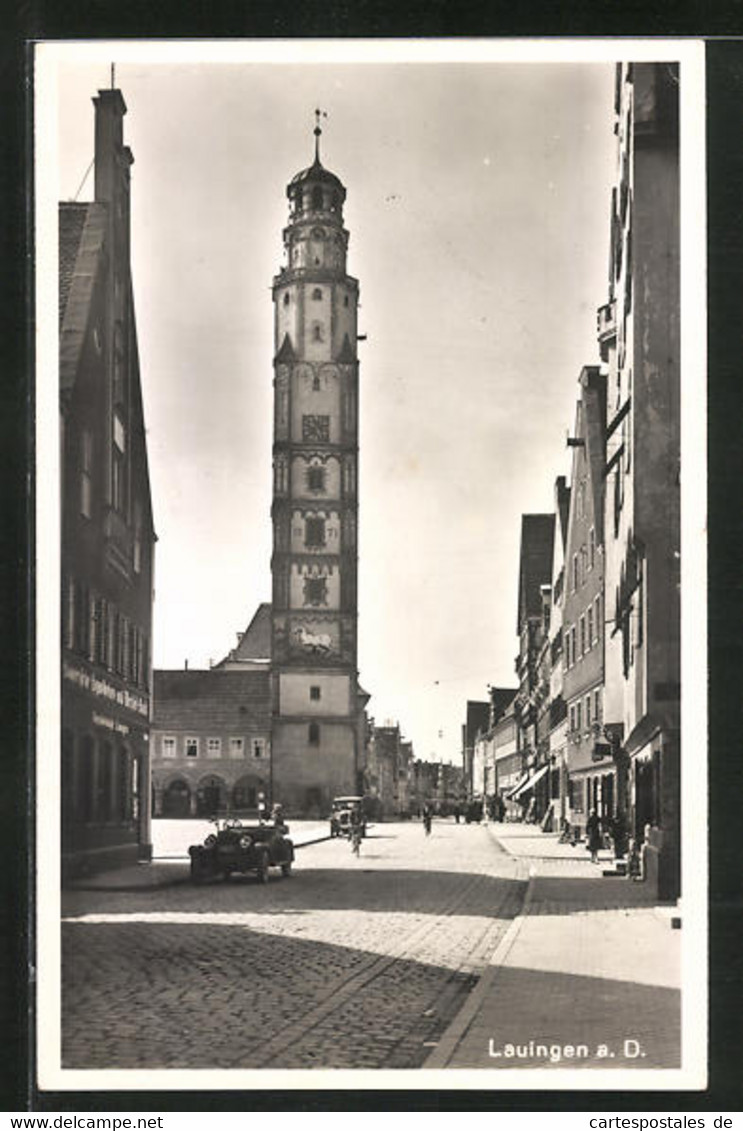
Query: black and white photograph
<point x="370" y="479"/>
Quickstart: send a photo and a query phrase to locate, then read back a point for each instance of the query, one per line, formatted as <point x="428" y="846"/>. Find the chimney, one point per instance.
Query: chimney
<point x="185" y="665"/>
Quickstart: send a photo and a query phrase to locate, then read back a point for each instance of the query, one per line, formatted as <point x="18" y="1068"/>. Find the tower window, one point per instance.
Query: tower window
<point x="317" y="332"/>
<point x="313" y="734"/>
<point x="316" y="384"/>
<point x="317" y="295"/>
<point x="317" y="199"/>
<point x="315" y="693"/>
<point x="316" y="478"/>
<point x="345" y="300"/>
<point x="286" y="299"/>
<point x="315" y="532"/>
<point x="315" y="592"/>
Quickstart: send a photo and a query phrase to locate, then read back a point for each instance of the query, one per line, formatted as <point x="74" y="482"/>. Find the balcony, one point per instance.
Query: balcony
<point x="606" y="328"/>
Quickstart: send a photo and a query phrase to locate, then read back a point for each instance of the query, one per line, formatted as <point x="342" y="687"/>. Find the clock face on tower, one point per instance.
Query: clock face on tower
<point x="316" y="428"/>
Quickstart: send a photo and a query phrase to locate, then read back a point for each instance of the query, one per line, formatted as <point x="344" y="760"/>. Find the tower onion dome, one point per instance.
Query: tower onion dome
<point x="315" y="189"/>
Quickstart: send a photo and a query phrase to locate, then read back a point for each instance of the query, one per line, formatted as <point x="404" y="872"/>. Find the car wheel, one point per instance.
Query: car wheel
<point x="286" y="868"/>
<point x="261" y="873"/>
<point x="199" y="871"/>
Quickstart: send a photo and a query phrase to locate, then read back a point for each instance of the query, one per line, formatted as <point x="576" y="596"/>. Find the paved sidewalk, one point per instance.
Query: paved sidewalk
<point x="588" y="975"/>
<point x="164" y="872"/>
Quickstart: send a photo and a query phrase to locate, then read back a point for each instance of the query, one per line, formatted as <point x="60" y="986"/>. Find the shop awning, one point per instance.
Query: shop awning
<point x="530" y="782"/>
<point x="515" y="789"/>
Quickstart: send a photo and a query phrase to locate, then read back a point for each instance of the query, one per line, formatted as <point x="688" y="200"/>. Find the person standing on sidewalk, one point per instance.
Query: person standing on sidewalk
<point x="593" y="832"/>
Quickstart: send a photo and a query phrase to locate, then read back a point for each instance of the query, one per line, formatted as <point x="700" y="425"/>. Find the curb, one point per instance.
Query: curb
<point x="455" y="1031"/>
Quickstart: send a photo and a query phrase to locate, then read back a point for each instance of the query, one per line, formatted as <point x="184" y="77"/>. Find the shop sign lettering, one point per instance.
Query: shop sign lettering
<point x="109" y="723"/>
<point x="104" y="690"/>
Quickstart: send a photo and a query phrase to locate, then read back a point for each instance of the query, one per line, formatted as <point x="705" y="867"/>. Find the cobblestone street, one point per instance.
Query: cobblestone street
<point x="352" y="963"/>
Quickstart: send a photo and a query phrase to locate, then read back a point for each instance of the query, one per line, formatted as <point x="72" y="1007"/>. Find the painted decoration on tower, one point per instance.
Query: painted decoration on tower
<point x="315" y="584"/>
<point x="314" y="637"/>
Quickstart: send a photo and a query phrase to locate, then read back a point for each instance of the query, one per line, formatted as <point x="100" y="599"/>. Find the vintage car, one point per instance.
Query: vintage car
<point x="341" y="817"/>
<point x="241" y="846"/>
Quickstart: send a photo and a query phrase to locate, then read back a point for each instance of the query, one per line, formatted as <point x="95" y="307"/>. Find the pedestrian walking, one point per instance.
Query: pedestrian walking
<point x="593" y="832"/>
<point x="619" y="835"/>
<point x="355" y="832"/>
<point x="427" y="819"/>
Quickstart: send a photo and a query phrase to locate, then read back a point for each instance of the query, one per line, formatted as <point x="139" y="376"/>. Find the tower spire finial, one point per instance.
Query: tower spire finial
<point x="317" y="132"/>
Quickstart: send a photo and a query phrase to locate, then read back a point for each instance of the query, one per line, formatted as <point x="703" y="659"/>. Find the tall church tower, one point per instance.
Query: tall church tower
<point x="316" y="703"/>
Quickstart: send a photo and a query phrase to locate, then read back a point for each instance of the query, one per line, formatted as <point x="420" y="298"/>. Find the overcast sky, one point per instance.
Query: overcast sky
<point x="478" y="209"/>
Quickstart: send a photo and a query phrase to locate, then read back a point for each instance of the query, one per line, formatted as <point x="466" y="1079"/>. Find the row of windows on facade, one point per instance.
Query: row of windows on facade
<point x="94" y="628"/>
<point x="584" y="561"/>
<point x="316" y="203"/>
<point x="100" y="785"/>
<point x="316" y="296"/>
<point x="583" y="713"/>
<point x="119" y="481"/>
<point x="580" y="640"/>
<point x="236" y="747"/>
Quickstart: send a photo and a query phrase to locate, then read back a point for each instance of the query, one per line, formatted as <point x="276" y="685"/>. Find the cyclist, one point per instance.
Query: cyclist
<point x="355" y="831"/>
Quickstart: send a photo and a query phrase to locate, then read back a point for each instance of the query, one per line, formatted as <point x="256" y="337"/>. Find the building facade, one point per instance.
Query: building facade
<point x="509" y="762"/>
<point x="592" y="779"/>
<point x="211" y="731"/>
<point x="639" y="338"/>
<point x="558" y="713"/>
<point x="317" y="706"/>
<point x="108" y="538"/>
<point x="532" y="626"/>
<point x="477" y="715"/>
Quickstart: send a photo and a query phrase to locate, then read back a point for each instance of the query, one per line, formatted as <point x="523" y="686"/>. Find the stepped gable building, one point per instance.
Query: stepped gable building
<point x="211" y="731"/>
<point x="638" y="331"/>
<point x="317" y="705"/>
<point x="592" y="779"/>
<point x="107" y="533"/>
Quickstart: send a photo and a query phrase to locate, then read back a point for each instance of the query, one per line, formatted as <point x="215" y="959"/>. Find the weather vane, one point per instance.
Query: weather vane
<point x="317" y="132"/>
